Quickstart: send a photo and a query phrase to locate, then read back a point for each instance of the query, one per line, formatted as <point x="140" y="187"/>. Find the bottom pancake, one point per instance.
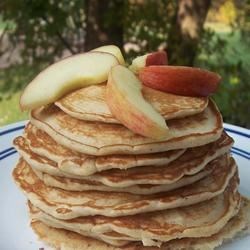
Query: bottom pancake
<point x="67" y="240"/>
<point x="153" y="229"/>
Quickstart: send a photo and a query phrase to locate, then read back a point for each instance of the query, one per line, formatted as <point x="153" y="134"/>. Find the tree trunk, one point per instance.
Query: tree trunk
<point x="186" y="31"/>
<point x="104" y="23"/>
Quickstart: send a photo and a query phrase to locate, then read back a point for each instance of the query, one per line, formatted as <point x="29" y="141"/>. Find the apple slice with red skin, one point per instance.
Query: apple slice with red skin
<point x="154" y="58"/>
<point x="180" y="80"/>
<point x="157" y="58"/>
<point x="125" y="100"/>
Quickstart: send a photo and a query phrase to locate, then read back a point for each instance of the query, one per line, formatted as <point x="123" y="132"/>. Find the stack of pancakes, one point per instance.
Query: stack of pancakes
<point x="91" y="183"/>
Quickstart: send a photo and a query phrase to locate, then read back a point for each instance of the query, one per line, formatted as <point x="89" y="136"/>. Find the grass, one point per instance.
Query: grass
<point x="10" y="111"/>
<point x="12" y="82"/>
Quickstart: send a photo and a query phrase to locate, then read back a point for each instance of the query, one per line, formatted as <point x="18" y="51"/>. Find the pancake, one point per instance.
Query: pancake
<point x="102" y="139"/>
<point x="89" y="104"/>
<point x="64" y="204"/>
<point x="82" y="164"/>
<point x="72" y="184"/>
<point x="112" y="237"/>
<point x="189" y="163"/>
<point x="200" y="220"/>
<point x="238" y="226"/>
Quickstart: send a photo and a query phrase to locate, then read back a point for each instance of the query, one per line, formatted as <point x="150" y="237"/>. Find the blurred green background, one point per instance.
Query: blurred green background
<point x="212" y="34"/>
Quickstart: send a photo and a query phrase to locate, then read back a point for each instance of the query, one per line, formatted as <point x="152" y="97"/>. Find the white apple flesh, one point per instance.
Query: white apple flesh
<point x="62" y="77"/>
<point x="125" y="100"/>
<point x="138" y="63"/>
<point x="114" y="50"/>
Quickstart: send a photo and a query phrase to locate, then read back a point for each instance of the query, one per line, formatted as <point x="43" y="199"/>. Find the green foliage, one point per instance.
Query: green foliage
<point x="14" y="78"/>
<point x="10" y="111"/>
<point x="147" y="25"/>
<point x="45" y="27"/>
<point x="228" y="55"/>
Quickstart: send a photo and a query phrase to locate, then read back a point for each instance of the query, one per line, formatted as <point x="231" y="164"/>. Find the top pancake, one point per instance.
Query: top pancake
<point x="89" y="104"/>
<point x="102" y="139"/>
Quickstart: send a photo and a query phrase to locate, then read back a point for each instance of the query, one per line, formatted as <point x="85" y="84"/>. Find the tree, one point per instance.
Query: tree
<point x="45" y="29"/>
<point x="147" y="25"/>
<point x="50" y="29"/>
<point x="186" y="30"/>
<point x="104" y="23"/>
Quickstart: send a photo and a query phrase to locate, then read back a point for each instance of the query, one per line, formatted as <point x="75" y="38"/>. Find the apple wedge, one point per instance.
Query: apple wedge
<point x="114" y="50"/>
<point x="180" y="80"/>
<point x="154" y="58"/>
<point x="125" y="100"/>
<point x="66" y="75"/>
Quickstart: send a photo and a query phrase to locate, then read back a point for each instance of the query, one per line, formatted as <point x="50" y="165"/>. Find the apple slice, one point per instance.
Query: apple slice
<point x="114" y="50"/>
<point x="66" y="75"/>
<point x="180" y="80"/>
<point x="154" y="58"/>
<point x="125" y="100"/>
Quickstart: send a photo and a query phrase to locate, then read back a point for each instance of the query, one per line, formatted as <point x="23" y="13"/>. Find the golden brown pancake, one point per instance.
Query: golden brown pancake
<point x="89" y="104"/>
<point x="72" y="184"/>
<point x="102" y="139"/>
<point x="64" y="204"/>
<point x="238" y="226"/>
<point x="81" y="164"/>
<point x="111" y="237"/>
<point x="200" y="220"/>
<point x="189" y="163"/>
